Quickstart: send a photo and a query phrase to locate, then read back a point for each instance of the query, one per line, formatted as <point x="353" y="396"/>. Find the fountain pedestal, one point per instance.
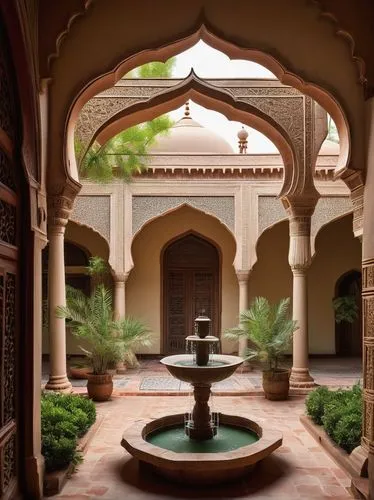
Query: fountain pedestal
<point x="201" y="426"/>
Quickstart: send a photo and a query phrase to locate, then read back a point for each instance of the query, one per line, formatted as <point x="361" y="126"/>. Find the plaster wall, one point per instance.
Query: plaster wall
<point x="337" y="251"/>
<point x="143" y="287"/>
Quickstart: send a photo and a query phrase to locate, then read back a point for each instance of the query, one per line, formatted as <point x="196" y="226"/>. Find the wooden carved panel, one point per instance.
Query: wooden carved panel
<point x="191" y="286"/>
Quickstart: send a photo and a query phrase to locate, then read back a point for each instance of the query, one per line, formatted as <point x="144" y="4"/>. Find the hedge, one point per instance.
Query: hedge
<point x="64" y="418"/>
<point x="340" y="413"/>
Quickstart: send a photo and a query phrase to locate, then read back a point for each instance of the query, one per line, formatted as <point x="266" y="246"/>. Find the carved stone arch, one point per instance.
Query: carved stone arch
<point x="234" y="50"/>
<point x="289" y="141"/>
<point x="165" y="213"/>
<point x="318" y="225"/>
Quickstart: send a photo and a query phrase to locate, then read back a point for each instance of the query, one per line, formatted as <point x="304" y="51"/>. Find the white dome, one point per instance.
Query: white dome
<point x="189" y="137"/>
<point x="329" y="148"/>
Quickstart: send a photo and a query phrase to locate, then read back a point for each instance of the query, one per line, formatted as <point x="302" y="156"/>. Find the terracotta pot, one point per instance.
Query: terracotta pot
<point x="99" y="387"/>
<point x="276" y="384"/>
<point x="80" y="372"/>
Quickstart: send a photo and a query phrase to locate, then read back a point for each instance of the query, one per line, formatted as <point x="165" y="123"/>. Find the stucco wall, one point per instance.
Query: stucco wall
<point x="337" y="251"/>
<point x="143" y="288"/>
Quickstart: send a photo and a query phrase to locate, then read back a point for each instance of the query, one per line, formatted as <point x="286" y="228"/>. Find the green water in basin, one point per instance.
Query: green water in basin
<point x="190" y="362"/>
<point x="228" y="438"/>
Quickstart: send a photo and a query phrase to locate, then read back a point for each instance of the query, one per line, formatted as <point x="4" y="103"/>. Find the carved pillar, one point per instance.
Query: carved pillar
<point x="367" y="441"/>
<point x="243" y="277"/>
<point x="59" y="208"/>
<point x="300" y="259"/>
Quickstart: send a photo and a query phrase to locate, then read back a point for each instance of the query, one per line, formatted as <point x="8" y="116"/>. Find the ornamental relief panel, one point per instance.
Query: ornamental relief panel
<point x="145" y="208"/>
<point x="283" y="104"/>
<point x="328" y="209"/>
<point x="93" y="211"/>
<point x="270" y="211"/>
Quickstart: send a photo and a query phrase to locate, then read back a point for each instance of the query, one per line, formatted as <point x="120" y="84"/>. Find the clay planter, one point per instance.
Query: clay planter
<point x="276" y="384"/>
<point x="79" y="372"/>
<point x="99" y="387"/>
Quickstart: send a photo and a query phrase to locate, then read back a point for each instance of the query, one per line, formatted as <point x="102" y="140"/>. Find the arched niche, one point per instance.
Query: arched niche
<point x="144" y="286"/>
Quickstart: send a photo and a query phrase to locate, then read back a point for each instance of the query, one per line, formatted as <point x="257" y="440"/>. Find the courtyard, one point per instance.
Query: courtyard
<point x="300" y="469"/>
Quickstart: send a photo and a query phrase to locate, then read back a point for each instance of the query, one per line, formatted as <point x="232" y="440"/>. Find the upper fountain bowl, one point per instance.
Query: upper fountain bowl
<point x="182" y="367"/>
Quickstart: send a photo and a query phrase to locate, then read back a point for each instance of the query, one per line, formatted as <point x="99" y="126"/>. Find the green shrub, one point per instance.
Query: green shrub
<point x="340" y="413"/>
<point x="65" y="417"/>
<point x="316" y="402"/>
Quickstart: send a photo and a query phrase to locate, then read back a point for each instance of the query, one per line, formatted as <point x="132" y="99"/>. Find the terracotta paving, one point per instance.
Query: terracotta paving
<point x="152" y="378"/>
<point x="300" y="469"/>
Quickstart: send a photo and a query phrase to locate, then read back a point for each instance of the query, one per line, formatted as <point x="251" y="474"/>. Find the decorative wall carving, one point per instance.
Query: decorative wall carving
<point x="93" y="211"/>
<point x="9" y="348"/>
<point x="368" y="337"/>
<point x="7" y="223"/>
<point x="145" y="208"/>
<point x="329" y="208"/>
<point x="7" y="103"/>
<point x="270" y="211"/>
<point x="283" y="104"/>
<point x="6" y="171"/>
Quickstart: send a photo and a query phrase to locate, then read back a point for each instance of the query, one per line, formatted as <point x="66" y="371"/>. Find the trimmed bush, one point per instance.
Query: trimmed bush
<point x="340" y="413"/>
<point x="316" y="402"/>
<point x="65" y="417"/>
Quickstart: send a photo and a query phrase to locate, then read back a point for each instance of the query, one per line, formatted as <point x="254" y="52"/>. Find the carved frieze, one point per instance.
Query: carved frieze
<point x="145" y="208"/>
<point x="93" y="211"/>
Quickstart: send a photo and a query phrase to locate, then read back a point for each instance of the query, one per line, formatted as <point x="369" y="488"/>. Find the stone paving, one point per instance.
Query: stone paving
<point x="152" y="378"/>
<point x="300" y="469"/>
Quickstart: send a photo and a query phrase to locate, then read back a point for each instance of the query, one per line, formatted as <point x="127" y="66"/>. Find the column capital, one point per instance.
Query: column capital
<point x="120" y="277"/>
<point x="243" y="275"/>
<point x="300" y="255"/>
<point x="60" y="201"/>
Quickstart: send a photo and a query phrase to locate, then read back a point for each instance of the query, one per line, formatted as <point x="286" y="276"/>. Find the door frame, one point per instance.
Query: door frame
<point x="163" y="302"/>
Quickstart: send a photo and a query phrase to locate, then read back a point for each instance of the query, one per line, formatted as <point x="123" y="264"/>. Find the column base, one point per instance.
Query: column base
<point x="301" y="379"/>
<point x="59" y="383"/>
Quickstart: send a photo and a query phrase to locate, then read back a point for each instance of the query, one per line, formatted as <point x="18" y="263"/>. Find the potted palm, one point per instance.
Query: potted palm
<point x="269" y="330"/>
<point x="92" y="319"/>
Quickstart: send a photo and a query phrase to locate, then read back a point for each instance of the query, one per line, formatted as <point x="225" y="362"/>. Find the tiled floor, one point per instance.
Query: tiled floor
<point x="152" y="378"/>
<point x="300" y="469"/>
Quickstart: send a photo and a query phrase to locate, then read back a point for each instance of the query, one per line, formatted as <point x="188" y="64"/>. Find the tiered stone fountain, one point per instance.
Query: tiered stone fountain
<point x="201" y="447"/>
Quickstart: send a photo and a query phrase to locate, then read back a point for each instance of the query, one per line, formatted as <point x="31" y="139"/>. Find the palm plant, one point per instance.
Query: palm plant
<point x="269" y="330"/>
<point x="91" y="318"/>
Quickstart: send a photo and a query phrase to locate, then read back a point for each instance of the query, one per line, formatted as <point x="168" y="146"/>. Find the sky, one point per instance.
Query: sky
<point x="210" y="63"/>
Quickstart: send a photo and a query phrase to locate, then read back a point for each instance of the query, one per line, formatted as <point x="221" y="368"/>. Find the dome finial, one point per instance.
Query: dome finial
<point x="242" y="136"/>
<point x="187" y="109"/>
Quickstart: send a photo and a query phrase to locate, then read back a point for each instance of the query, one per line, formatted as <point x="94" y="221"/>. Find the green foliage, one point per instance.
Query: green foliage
<point x="154" y="69"/>
<point x="345" y="308"/>
<point x="125" y="154"/>
<point x="97" y="266"/>
<point x="64" y="418"/>
<point x="340" y="413"/>
<point x="92" y="319"/>
<point x="268" y="328"/>
<point x="315" y="403"/>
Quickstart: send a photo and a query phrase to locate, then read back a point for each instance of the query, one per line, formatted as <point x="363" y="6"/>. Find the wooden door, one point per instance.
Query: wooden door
<point x="191" y="286"/>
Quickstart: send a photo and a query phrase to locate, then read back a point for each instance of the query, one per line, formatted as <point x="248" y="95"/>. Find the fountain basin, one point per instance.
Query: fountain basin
<point x="200" y="467"/>
<point x="181" y="367"/>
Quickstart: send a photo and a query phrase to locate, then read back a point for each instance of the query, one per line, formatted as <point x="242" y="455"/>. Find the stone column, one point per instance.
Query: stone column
<point x="120" y="307"/>
<point x="58" y="212"/>
<point x="119" y="294"/>
<point x="300" y="259"/>
<point x="243" y="277"/>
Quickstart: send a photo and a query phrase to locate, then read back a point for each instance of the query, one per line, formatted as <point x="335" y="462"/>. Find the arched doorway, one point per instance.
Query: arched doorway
<point x="348" y="336"/>
<point x="191" y="284"/>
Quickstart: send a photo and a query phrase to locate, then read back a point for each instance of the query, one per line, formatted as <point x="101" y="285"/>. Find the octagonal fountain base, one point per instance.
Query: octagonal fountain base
<point x="199" y="467"/>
